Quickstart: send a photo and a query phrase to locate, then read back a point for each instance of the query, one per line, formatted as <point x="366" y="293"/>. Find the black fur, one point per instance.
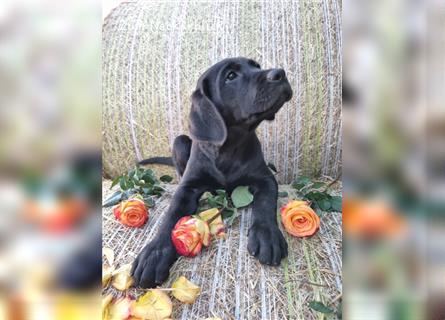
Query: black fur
<point x="168" y="161"/>
<point x="230" y="101"/>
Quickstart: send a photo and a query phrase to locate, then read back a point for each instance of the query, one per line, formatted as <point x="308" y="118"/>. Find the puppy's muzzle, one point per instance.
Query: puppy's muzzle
<point x="276" y="75"/>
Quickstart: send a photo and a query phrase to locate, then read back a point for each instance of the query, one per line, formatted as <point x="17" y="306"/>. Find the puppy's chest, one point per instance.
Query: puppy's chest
<point x="233" y="170"/>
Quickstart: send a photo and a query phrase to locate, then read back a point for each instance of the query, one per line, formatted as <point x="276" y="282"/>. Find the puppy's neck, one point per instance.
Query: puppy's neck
<point x="237" y="136"/>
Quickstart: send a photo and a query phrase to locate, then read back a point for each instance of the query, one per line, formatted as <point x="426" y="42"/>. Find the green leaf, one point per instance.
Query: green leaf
<point x="212" y="202"/>
<point x="336" y="203"/>
<point x="324" y="204"/>
<point x="148" y="176"/>
<point x="301" y="182"/>
<point x="114" y="199"/>
<point x="123" y="183"/>
<point x="231" y="219"/>
<point x="129" y="184"/>
<point x="303" y="179"/>
<point x="127" y="194"/>
<point x="283" y="194"/>
<point x="315" y="195"/>
<point x="149" y="202"/>
<point x="318" y="185"/>
<point x="320" y="307"/>
<point x="227" y="213"/>
<point x="137" y="173"/>
<point x="241" y="196"/>
<point x="115" y="181"/>
<point x="272" y="167"/>
<point x="166" y="178"/>
<point x="146" y="190"/>
<point x="317" y="209"/>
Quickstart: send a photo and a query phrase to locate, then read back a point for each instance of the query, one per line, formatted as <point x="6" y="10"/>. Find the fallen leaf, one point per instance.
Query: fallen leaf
<point x="154" y="305"/>
<point x="185" y="290"/>
<point x="107" y="273"/>
<point x="109" y="254"/>
<point x="120" y="310"/>
<point x="122" y="279"/>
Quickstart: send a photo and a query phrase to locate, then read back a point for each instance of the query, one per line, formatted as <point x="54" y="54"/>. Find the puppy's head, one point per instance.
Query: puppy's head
<point x="235" y="92"/>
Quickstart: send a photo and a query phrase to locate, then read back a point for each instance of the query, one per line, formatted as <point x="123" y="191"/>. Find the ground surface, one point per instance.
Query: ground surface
<point x="234" y="284"/>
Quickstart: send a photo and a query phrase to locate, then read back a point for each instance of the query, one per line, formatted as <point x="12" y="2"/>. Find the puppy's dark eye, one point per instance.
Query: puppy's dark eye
<point x="232" y="75"/>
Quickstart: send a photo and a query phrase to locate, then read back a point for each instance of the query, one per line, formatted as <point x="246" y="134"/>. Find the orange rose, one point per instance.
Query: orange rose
<point x="299" y="219"/>
<point x="189" y="235"/>
<point x="132" y="212"/>
<point x="368" y="218"/>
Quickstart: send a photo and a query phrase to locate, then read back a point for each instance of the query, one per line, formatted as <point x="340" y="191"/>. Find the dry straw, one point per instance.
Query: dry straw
<point x="154" y="51"/>
<point x="234" y="285"/>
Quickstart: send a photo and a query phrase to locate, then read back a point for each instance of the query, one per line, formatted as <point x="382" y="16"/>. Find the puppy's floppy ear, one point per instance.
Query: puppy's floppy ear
<point x="206" y="123"/>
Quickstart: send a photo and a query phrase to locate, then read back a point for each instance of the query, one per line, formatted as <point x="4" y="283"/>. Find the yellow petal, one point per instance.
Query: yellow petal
<point x="122" y="279"/>
<point x="206" y="215"/>
<point x="203" y="228"/>
<point x="105" y="303"/>
<point x="119" y="310"/>
<point x="154" y="305"/>
<point x="217" y="224"/>
<point x="109" y="254"/>
<point x="185" y="290"/>
<point x="107" y="273"/>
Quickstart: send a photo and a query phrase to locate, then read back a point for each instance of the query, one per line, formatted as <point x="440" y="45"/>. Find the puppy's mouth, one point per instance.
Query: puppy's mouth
<point x="273" y="104"/>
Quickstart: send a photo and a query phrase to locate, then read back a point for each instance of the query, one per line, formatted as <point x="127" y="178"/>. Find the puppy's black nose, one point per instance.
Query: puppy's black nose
<point x="275" y="75"/>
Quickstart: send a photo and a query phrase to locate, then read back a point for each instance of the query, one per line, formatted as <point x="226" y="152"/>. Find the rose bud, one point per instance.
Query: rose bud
<point x="189" y="235"/>
<point x="131" y="213"/>
<point x="299" y="219"/>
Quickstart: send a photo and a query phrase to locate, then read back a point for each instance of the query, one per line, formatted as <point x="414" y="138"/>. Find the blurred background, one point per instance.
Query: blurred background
<point x="393" y="159"/>
<point x="50" y="162"/>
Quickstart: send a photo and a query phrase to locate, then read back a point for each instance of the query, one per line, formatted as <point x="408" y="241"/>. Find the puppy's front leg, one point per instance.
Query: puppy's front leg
<point x="266" y="242"/>
<point x="153" y="263"/>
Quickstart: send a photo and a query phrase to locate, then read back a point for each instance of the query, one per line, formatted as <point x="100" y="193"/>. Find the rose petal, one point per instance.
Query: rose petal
<point x="185" y="290"/>
<point x="189" y="235"/>
<point x="105" y="303"/>
<point x="299" y="219"/>
<point x="107" y="273"/>
<point x="217" y="228"/>
<point x="109" y="254"/>
<point x="131" y="212"/>
<point x="122" y="279"/>
<point x="154" y="305"/>
<point x="120" y="310"/>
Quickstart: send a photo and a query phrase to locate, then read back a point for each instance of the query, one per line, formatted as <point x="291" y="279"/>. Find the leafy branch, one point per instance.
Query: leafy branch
<point x="240" y="197"/>
<point x="137" y="181"/>
<point x="319" y="194"/>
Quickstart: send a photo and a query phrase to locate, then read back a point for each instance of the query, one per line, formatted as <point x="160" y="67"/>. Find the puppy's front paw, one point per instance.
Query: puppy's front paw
<point x="267" y="244"/>
<point x="151" y="267"/>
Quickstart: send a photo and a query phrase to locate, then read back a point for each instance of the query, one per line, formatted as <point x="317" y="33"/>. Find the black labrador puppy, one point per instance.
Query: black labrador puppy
<point x="230" y="101"/>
